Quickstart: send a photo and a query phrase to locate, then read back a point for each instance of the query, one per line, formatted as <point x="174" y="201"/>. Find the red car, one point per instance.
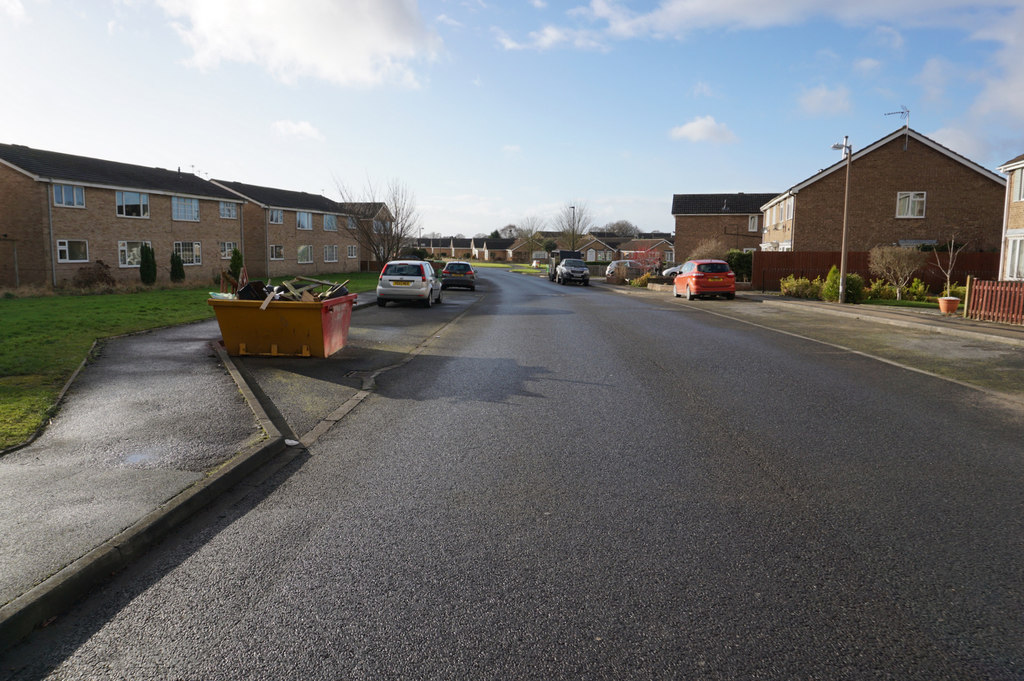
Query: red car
<point x="705" y="278"/>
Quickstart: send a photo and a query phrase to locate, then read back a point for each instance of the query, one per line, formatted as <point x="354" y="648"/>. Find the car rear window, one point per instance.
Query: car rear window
<point x="457" y="267"/>
<point x="574" y="263"/>
<point x="713" y="267"/>
<point x="403" y="270"/>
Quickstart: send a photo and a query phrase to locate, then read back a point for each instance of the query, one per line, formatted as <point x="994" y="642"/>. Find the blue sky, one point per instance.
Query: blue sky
<point x="491" y="112"/>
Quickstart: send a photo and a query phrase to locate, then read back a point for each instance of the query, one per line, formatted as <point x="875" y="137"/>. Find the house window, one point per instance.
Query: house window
<point x="1015" y="259"/>
<point x="303" y="220"/>
<point x="226" y="247"/>
<point x="1017" y="178"/>
<point x="330" y="223"/>
<point x="276" y="252"/>
<point x="910" y="205"/>
<point x="276" y="216"/>
<point x="184" y="209"/>
<point x="789" y="208"/>
<point x="305" y="255"/>
<point x="132" y="205"/>
<point x="129" y="253"/>
<point x="351" y="222"/>
<point x="72" y="250"/>
<point x="69" y="195"/>
<point x="380" y="226"/>
<point x="229" y="210"/>
<point x="752" y="223"/>
<point x="353" y="251"/>
<point x="331" y="253"/>
<point x="190" y="252"/>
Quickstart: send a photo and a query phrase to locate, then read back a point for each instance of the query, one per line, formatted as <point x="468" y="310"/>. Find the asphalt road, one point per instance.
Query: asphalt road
<point x="569" y="483"/>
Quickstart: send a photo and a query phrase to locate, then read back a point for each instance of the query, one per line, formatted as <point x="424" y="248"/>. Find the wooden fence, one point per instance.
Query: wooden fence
<point x="996" y="301"/>
<point x="769" y="267"/>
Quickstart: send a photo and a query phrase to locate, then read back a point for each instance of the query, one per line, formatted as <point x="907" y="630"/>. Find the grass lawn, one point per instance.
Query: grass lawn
<point x="44" y="339"/>
<point x="902" y="303"/>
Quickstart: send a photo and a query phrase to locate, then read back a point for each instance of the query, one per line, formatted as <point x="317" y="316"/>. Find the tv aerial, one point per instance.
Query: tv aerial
<point x="904" y="114"/>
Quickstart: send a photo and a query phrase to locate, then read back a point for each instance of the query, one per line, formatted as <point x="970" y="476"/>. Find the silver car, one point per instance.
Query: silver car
<point x="408" y="280"/>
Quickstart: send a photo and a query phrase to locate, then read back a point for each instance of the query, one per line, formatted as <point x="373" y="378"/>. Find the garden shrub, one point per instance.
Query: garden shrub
<point x="147" y="264"/>
<point x="881" y="290"/>
<point x="641" y="281"/>
<point x="801" y="288"/>
<point x="177" y="268"/>
<point x="854" y="287"/>
<point x="741" y="262"/>
<point x="916" y="290"/>
<point x="235" y="267"/>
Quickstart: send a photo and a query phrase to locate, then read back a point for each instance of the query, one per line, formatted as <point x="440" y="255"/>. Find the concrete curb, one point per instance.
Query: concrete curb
<point x="62" y="590"/>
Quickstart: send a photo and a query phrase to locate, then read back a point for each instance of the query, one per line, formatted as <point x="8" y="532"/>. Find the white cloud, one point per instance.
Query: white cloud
<point x="511" y="149"/>
<point x="703" y="129"/>
<point x="934" y="77"/>
<point x="361" y="42"/>
<point x="299" y="129"/>
<point x="539" y="4"/>
<point x="889" y="37"/>
<point x="702" y="89"/>
<point x="825" y="101"/>
<point x="1004" y="89"/>
<point x="867" y="66"/>
<point x="550" y="37"/>
<point x="13" y="9"/>
<point x="445" y="19"/>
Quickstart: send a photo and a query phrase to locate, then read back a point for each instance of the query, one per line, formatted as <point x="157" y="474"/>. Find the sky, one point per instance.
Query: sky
<point x="494" y="111"/>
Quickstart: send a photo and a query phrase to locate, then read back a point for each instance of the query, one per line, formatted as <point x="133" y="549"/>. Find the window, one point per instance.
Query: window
<point x="71" y="250"/>
<point x="752" y="223"/>
<point x="190" y="252"/>
<point x="303" y="220"/>
<point x="330" y="223"/>
<point x="69" y="195"/>
<point x="276" y="252"/>
<point x="305" y="255"/>
<point x="910" y="205"/>
<point x="129" y="253"/>
<point x="184" y="209"/>
<point x="331" y="253"/>
<point x="1017" y="178"/>
<point x="789" y="208"/>
<point x="379" y="226"/>
<point x="1015" y="259"/>
<point x="229" y="210"/>
<point x="132" y="205"/>
<point x="353" y="251"/>
<point x="225" y="249"/>
<point x="276" y="216"/>
<point x="351" y="222"/>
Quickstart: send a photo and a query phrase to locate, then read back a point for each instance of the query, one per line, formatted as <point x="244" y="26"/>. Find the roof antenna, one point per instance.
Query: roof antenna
<point x="904" y="114"/>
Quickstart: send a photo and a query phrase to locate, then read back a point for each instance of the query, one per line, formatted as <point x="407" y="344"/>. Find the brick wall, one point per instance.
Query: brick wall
<point x="23" y="218"/>
<point x="958" y="200"/>
<point x="290" y="238"/>
<point x="733" y="230"/>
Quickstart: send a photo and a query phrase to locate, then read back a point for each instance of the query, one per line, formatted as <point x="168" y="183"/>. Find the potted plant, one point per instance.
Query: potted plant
<point x="949" y="303"/>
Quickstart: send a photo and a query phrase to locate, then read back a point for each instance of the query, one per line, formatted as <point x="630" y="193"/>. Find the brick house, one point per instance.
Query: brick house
<point x="637" y="249"/>
<point x="735" y="219"/>
<point x="62" y="213"/>
<point x="294" y="233"/>
<point x="1011" y="259"/>
<point x="493" y="250"/>
<point x="904" y="189"/>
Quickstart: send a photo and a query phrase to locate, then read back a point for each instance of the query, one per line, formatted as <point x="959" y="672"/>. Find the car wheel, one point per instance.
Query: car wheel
<point x="472" y="288"/>
<point x="730" y="296"/>
<point x="381" y="302"/>
<point x="438" y="301"/>
<point x="586" y="282"/>
<point x="429" y="300"/>
<point x="689" y="294"/>
<point x="675" y="291"/>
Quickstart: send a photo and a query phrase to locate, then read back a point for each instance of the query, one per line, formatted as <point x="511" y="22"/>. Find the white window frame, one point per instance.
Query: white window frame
<point x="307" y="250"/>
<point x="1015" y="258"/>
<point x="353" y="251"/>
<point x="64" y="250"/>
<point x="184" y="209"/>
<point x="276" y="216"/>
<point x="229" y="210"/>
<point x="142" y="203"/>
<point x="331" y="253"/>
<point x="1017" y="181"/>
<point x="330" y="222"/>
<point x="303" y="220"/>
<point x="126" y="254"/>
<point x="912" y="199"/>
<point x="276" y="251"/>
<point x="225" y="249"/>
<point x="61" y="198"/>
<point x="752" y="223"/>
<point x="194" y="252"/>
<point x="351" y="223"/>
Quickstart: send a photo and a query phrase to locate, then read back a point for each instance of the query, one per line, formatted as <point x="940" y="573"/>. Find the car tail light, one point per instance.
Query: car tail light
<point x="423" y="274"/>
<point x="381" y="275"/>
<point x="445" y="272"/>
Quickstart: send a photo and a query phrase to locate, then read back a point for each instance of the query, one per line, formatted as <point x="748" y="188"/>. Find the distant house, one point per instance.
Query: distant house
<point x="734" y="219"/>
<point x="295" y="233"/>
<point x="1011" y="259"/>
<point x="637" y="249"/>
<point x="493" y="250"/>
<point x="904" y="189"/>
<point x="61" y="213"/>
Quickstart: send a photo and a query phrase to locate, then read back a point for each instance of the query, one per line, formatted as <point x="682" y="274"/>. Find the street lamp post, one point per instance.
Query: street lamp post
<point x="572" y="228"/>
<point x="848" y="151"/>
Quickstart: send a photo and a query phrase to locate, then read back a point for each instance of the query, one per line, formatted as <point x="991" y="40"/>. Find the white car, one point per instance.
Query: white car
<point x="408" y="280"/>
<point x="630" y="264"/>
<point x="672" y="271"/>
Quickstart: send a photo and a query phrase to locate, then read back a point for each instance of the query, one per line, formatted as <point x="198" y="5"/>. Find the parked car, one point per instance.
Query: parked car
<point x="458" y="273"/>
<point x="572" y="269"/>
<point x="671" y="271"/>
<point x="630" y="264"/>
<point x="408" y="280"/>
<point x="698" y="278"/>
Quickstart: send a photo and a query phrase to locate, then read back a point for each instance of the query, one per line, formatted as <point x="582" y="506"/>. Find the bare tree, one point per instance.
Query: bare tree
<point x="709" y="248"/>
<point x="573" y="222"/>
<point x="947" y="269"/>
<point x="622" y="228"/>
<point x="529" y="227"/>
<point x="895" y="264"/>
<point x="386" y="218"/>
<point x="508" y="232"/>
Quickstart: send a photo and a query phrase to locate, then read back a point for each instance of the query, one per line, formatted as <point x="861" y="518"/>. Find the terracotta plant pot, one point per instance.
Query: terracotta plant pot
<point x="948" y="305"/>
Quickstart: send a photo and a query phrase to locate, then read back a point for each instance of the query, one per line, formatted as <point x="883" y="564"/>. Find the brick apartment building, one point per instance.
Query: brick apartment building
<point x="904" y="189"/>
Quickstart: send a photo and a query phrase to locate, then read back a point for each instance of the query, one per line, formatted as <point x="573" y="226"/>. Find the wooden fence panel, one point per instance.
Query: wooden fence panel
<point x="996" y="301"/>
<point x="769" y="267"/>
